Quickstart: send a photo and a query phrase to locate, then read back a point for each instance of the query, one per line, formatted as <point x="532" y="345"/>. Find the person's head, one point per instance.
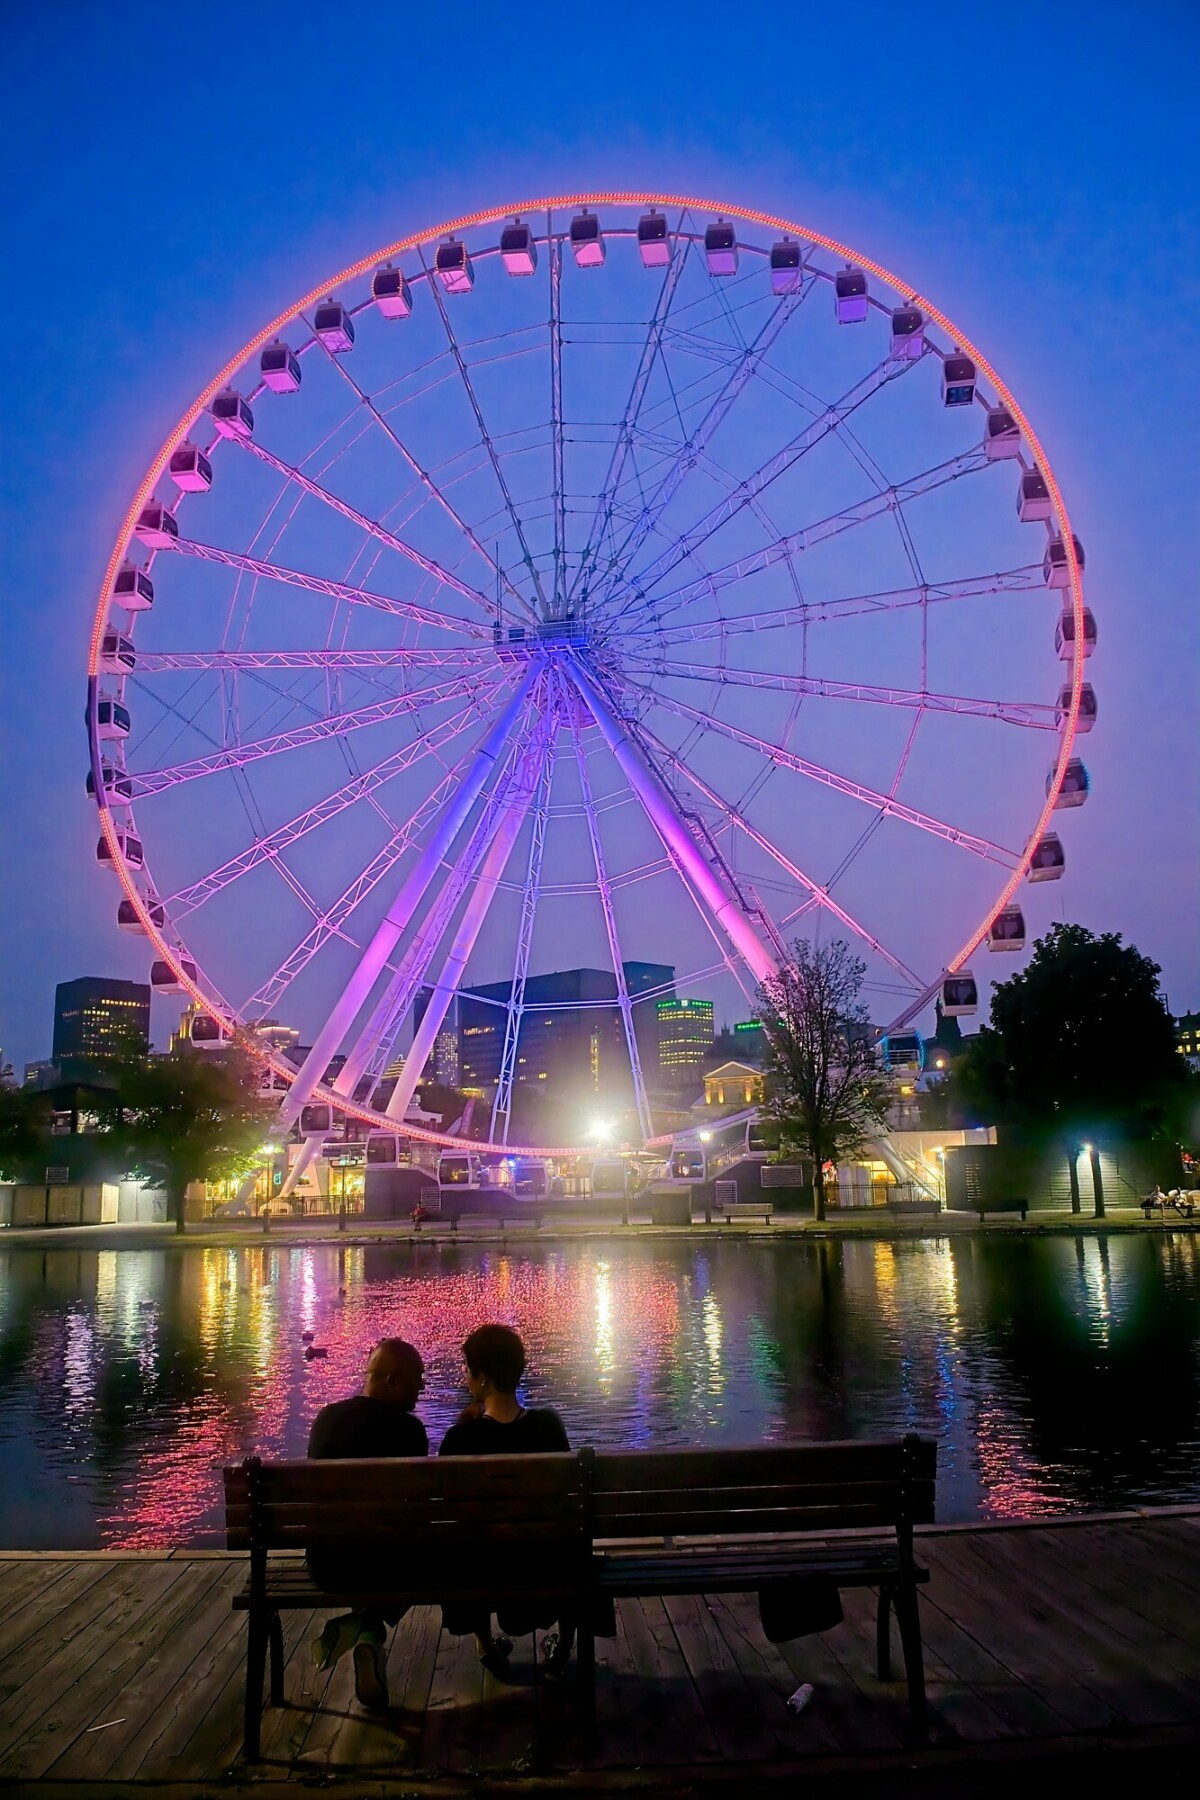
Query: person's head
<point x="495" y="1359"/>
<point x="395" y="1373"/>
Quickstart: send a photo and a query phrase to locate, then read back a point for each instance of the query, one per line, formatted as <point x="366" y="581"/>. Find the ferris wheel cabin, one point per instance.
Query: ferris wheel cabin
<point x="720" y="249"/>
<point x="787" y="267"/>
<point x="587" y="241"/>
<point x="453" y="267"/>
<point x="1054" y="564"/>
<point x="128" y="920"/>
<point x="1064" y="634"/>
<point x="850" y="295"/>
<point x="129" y="849"/>
<point x="391" y="293"/>
<point x="279" y="367"/>
<point x="132" y="588"/>
<point x="112" y="719"/>
<point x="164" y="980"/>
<point x="388" y="1148"/>
<point x="1007" y="930"/>
<point x="117" y="655"/>
<point x="1033" y="498"/>
<point x="190" y="470"/>
<point x="908" y="334"/>
<point x="518" y="252"/>
<point x="231" y="415"/>
<point x="316" y="1119"/>
<point x="1001" y="436"/>
<point x="960" y="994"/>
<point x="653" y="242"/>
<point x="117" y="786"/>
<point x="1076" y="784"/>
<point x="1087" y="707"/>
<point x="334" y="326"/>
<point x="156" y="526"/>
<point x="1048" y="860"/>
<point x="208" y="1033"/>
<point x="958" y="381"/>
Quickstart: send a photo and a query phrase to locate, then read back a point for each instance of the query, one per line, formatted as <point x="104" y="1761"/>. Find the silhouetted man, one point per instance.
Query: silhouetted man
<point x="378" y="1422"/>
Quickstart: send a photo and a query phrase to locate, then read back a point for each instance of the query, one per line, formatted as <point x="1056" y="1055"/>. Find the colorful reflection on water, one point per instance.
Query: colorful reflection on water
<point x="1057" y="1373"/>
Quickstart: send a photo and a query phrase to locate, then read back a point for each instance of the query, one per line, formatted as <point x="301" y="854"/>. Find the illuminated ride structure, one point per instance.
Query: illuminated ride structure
<point x="644" y="572"/>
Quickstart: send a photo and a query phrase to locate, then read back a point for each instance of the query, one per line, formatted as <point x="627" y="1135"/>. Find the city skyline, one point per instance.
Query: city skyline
<point x="1061" y="327"/>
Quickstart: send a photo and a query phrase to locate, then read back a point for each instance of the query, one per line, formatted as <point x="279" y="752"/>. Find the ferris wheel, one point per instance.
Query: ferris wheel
<point x="600" y="577"/>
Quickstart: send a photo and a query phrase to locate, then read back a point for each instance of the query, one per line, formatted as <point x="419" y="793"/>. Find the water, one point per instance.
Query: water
<point x="1057" y="1373"/>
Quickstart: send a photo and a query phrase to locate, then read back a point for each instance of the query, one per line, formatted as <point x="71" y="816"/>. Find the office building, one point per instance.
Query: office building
<point x="685" y="1042"/>
<point x="1187" y="1036"/>
<point x="96" y="1019"/>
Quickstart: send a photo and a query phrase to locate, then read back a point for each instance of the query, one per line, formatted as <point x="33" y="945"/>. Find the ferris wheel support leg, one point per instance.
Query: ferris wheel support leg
<point x="357" y="990"/>
<point x="672" y="830"/>
<point x="460" y="950"/>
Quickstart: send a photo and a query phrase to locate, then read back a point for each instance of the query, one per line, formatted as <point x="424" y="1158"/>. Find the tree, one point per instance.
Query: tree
<point x="1080" y="1043"/>
<point x="24" y="1130"/>
<point x="824" y="1084"/>
<point x="186" y="1117"/>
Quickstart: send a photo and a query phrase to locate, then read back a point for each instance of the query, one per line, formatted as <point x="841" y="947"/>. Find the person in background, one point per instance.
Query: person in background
<point x="378" y="1422"/>
<point x="495" y="1423"/>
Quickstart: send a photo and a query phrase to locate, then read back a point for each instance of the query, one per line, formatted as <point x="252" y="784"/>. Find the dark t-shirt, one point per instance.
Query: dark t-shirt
<point x="361" y="1426"/>
<point x="537" y="1428"/>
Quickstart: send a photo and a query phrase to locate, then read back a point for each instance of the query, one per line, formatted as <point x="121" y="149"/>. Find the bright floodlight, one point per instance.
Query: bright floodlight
<point x="602" y="1131"/>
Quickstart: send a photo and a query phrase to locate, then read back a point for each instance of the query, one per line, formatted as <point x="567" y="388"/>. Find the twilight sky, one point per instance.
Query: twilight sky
<point x="183" y="177"/>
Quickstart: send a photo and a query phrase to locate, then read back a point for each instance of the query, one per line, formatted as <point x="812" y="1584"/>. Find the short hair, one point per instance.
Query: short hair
<point x="399" y="1350"/>
<point x="497" y="1352"/>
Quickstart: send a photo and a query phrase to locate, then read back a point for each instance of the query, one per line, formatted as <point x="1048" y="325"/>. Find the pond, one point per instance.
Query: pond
<point x="1057" y="1373"/>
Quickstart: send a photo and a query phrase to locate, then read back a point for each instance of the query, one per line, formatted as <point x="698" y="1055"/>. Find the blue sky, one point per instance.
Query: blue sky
<point x="181" y="177"/>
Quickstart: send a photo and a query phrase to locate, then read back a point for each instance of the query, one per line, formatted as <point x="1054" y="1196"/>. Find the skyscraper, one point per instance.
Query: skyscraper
<point x="685" y="1041"/>
<point x="97" y="1018"/>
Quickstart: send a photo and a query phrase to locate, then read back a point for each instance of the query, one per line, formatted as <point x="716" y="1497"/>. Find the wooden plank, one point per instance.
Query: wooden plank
<point x="770" y="1678"/>
<point x="219" y="1747"/>
<point x="127" y="1681"/>
<point x="85" y="1649"/>
<point x="662" y="1720"/>
<point x="1024" y="1713"/>
<point x="207" y="1698"/>
<point x="861" y="1720"/>
<point x="411" y="1661"/>
<point x="510" y="1736"/>
<point x="737" y="1721"/>
<point x="450" y="1741"/>
<point x="1122" y="1657"/>
<point x="1003" y="1625"/>
<point x="22" y="1623"/>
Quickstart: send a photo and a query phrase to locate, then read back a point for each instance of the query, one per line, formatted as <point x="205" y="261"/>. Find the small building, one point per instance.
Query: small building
<point x="732" y="1086"/>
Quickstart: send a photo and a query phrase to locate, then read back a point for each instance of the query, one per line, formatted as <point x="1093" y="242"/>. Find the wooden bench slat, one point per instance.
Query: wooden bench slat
<point x="766" y="1466"/>
<point x="887" y="1495"/>
<point x="455" y="1478"/>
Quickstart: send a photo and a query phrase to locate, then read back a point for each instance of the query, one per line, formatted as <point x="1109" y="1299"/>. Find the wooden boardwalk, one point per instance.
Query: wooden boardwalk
<point x="122" y="1669"/>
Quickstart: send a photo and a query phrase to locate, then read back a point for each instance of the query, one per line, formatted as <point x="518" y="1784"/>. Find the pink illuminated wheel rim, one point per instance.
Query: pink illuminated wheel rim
<point x="592" y="580"/>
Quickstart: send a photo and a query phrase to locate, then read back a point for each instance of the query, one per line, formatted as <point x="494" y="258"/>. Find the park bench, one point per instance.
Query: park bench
<point x="736" y="1521"/>
<point x="442" y="1514"/>
<point x="986" y="1207"/>
<point x="749" y="1209"/>
<point x="1183" y="1201"/>
<point x="914" y="1209"/>
<point x="581" y="1530"/>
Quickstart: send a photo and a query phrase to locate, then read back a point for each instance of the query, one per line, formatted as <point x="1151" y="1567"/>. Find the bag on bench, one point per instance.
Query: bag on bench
<point x="798" y="1607"/>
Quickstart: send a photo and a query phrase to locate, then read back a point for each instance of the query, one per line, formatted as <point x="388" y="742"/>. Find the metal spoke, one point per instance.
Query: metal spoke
<point x="818" y="894"/>
<point x="556" y="421"/>
<point x="530" y="894"/>
<point x="604" y="887"/>
<point x="271" y="846"/>
<point x="372" y="527"/>
<point x="847" y="519"/>
<point x="331" y="662"/>
<point x="687" y="544"/>
<point x="1026" y="580"/>
<point x="1031" y="714"/>
<point x="623" y="446"/>
<point x="854" y="790"/>
<point x="237" y="756"/>
<point x="317" y="584"/>
<point x="691" y="452"/>
<point x="485" y="437"/>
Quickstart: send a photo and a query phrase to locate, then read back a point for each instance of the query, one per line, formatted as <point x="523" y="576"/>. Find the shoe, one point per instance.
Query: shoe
<point x="370" y="1672"/>
<point x="338" y="1636"/>
<point x="495" y="1660"/>
<point x="557" y="1656"/>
